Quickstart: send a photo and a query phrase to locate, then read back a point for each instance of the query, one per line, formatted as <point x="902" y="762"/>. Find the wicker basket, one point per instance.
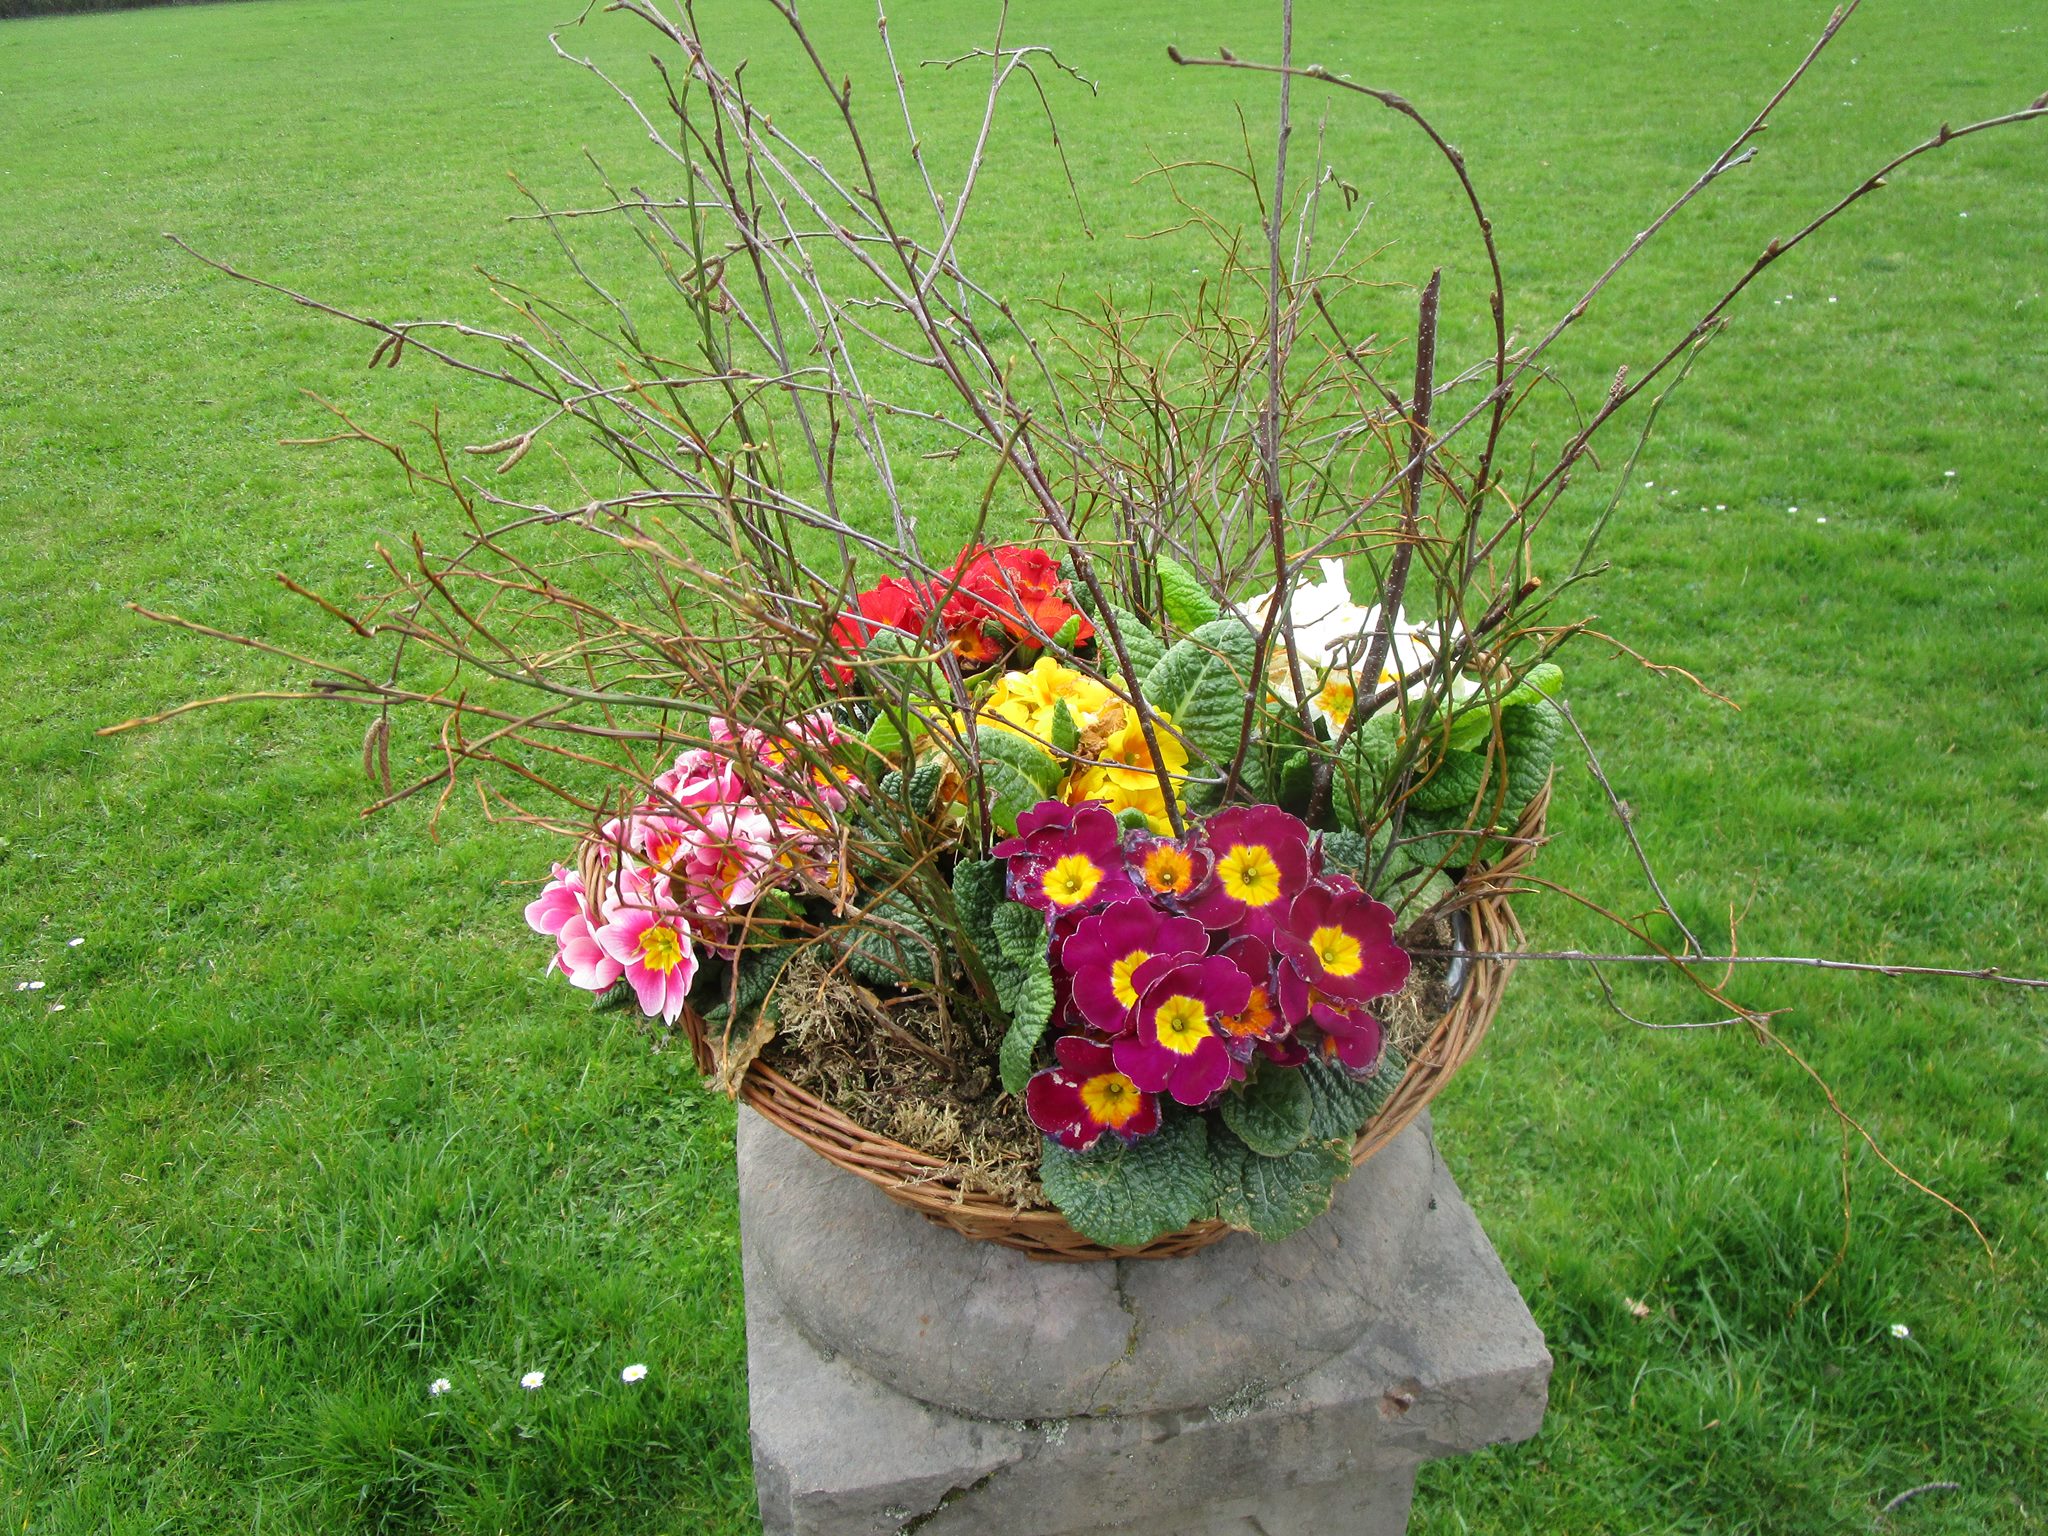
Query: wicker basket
<point x="920" y="1181"/>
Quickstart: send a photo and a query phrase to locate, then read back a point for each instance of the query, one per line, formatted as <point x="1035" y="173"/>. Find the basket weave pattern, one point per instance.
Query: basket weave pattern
<point x="923" y="1182"/>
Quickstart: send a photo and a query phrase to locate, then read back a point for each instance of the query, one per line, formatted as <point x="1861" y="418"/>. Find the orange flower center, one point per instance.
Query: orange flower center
<point x="1111" y="1098"/>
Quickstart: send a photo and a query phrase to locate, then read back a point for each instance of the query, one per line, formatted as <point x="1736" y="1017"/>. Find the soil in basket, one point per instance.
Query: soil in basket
<point x="880" y="1061"/>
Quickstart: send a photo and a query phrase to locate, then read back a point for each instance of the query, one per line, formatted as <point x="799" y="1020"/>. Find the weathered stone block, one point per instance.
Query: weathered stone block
<point x="1430" y="1353"/>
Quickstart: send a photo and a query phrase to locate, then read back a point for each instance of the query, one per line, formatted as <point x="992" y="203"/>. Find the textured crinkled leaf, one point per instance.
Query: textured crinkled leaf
<point x="1274" y="1196"/>
<point x="977" y="892"/>
<point x="924" y="785"/>
<point x="1340" y="1104"/>
<point x="1066" y="730"/>
<point x="1202" y="682"/>
<point x="1363" y="767"/>
<point x="1439" y="842"/>
<point x="1020" y="932"/>
<point x="1473" y="724"/>
<point x="885" y="957"/>
<point x="1293" y="778"/>
<point x="1189" y="605"/>
<point x="1131" y="819"/>
<point x="1145" y="647"/>
<point x="1027" y="996"/>
<point x="1121" y="1196"/>
<point x="617" y="995"/>
<point x="1271" y="1113"/>
<point x="1018" y="774"/>
<point x="1454" y="786"/>
<point x="1348" y="853"/>
<point x="1530" y="733"/>
<point x="759" y="969"/>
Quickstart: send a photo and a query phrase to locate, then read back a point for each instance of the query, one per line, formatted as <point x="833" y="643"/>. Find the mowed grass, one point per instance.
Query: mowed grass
<point x="310" y="1129"/>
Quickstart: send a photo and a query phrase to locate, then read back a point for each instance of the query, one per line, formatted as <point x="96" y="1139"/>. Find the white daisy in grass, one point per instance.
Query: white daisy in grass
<point x="633" y="1373"/>
<point x="439" y="1385"/>
<point x="532" y="1380"/>
<point x="1901" y="1331"/>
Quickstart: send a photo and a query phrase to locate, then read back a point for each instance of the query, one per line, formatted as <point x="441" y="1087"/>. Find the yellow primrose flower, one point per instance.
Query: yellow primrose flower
<point x="1025" y="701"/>
<point x="1125" y="779"/>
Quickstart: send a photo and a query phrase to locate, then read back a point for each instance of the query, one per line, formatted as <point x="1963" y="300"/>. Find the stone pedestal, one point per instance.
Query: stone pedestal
<point x="906" y="1380"/>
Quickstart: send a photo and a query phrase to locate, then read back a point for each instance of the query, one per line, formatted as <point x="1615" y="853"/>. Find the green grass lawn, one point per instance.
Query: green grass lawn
<point x="299" y="1126"/>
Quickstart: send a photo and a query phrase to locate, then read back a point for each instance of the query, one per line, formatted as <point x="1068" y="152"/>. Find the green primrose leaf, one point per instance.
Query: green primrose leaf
<point x="1131" y="819"/>
<point x="1348" y="853"/>
<point x="1473" y="724"/>
<point x="1274" y="1196"/>
<point x="1202" y="682"/>
<point x="1188" y="603"/>
<point x="1359" y="786"/>
<point x="1458" y="783"/>
<point x="977" y="892"/>
<point x="886" y="957"/>
<point x="1293" y="778"/>
<point x="1271" y="1114"/>
<point x="1066" y="730"/>
<point x="1530" y="734"/>
<point x="617" y="995"/>
<point x="1068" y="633"/>
<point x="1028" y="998"/>
<point x="1145" y="647"/>
<point x="1340" y="1104"/>
<point x="1018" y="775"/>
<point x="1020" y="932"/>
<point x="1121" y="1196"/>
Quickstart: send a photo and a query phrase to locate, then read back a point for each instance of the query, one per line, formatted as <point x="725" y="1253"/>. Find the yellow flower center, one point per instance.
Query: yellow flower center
<point x="661" y="949"/>
<point x="1120" y="976"/>
<point x="1339" y="952"/>
<point x="1168" y="870"/>
<point x="1111" y="1098"/>
<point x="1250" y="874"/>
<point x="1072" y="880"/>
<point x="1182" y="1024"/>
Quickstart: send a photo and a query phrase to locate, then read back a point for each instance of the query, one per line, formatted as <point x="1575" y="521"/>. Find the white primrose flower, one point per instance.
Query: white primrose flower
<point x="1331" y="636"/>
<point x="633" y="1373"/>
<point x="532" y="1380"/>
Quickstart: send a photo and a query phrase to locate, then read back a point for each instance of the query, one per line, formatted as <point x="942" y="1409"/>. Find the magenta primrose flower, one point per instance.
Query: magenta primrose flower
<point x="1179" y="1045"/>
<point x="1260" y="1025"/>
<point x="1085" y="1095"/>
<point x="1342" y="943"/>
<point x="1167" y="869"/>
<point x="1261" y="864"/>
<point x="1350" y="1036"/>
<point x="1069" y="861"/>
<point x="1106" y="949"/>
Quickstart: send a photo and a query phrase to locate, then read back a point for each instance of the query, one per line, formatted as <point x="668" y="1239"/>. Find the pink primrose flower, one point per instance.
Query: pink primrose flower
<point x="658" y="959"/>
<point x="560" y="899"/>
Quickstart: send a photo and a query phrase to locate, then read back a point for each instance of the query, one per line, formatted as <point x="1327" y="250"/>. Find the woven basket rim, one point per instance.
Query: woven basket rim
<point x="919" y="1179"/>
